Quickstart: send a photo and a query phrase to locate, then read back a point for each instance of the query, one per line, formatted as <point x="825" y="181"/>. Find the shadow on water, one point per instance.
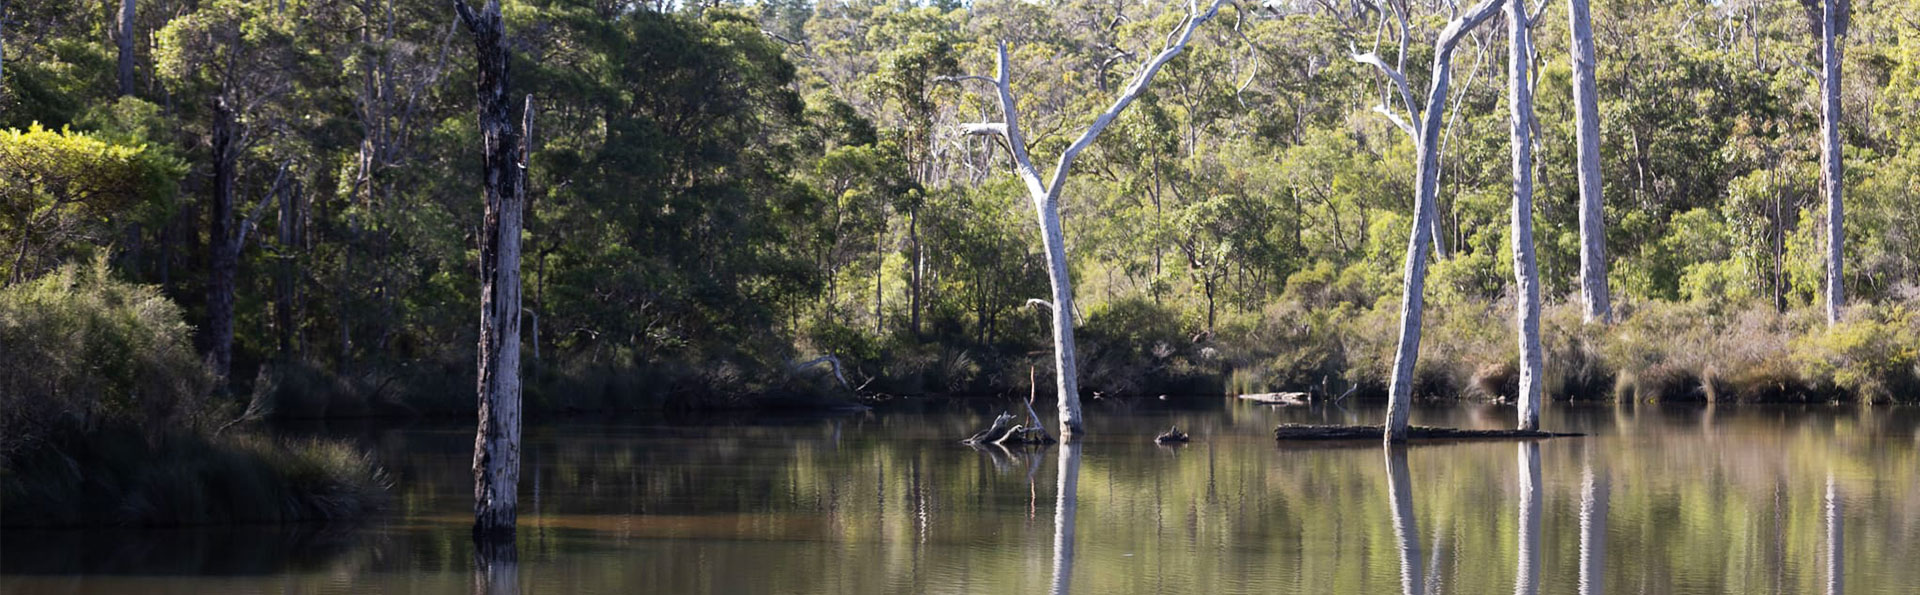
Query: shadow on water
<point x="245" y="550"/>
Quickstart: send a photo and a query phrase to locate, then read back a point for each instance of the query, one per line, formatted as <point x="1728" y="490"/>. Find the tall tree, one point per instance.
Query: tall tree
<point x="123" y="38"/>
<point x="1427" y="168"/>
<point x="1046" y="199"/>
<point x="496" y="448"/>
<point x="1526" y="272"/>
<point x="1829" y="19"/>
<point x="1596" y="304"/>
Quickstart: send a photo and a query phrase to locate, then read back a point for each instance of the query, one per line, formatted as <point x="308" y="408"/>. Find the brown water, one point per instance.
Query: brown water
<point x="1658" y="500"/>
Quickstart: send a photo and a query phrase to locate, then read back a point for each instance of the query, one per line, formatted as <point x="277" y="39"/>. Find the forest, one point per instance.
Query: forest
<point x="716" y="192"/>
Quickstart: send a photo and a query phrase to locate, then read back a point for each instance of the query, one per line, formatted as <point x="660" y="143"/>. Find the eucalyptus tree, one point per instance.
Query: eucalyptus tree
<point x="1421" y="122"/>
<point x="1596" y="304"/>
<point x="1829" y="19"/>
<point x="1526" y="272"/>
<point x="1045" y="195"/>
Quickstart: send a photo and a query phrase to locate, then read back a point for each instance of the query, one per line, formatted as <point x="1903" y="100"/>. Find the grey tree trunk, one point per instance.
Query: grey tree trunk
<point x="224" y="257"/>
<point x="1526" y="580"/>
<point x="1526" y="272"/>
<point x="1046" y="200"/>
<point x="123" y="37"/>
<point x="1427" y="164"/>
<point x="496" y="448"/>
<point x="1594" y="296"/>
<point x="1406" y="531"/>
<point x="1832" y="23"/>
<point x="1593" y="532"/>
<point x="1065" y="503"/>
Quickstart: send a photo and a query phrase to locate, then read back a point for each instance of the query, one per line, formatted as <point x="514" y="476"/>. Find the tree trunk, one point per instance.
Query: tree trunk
<point x="1830" y="155"/>
<point x="1412" y="300"/>
<point x="1593" y="532"/>
<point x="1065" y="503"/>
<point x="1526" y="579"/>
<point x="496" y="449"/>
<point x="1066" y="368"/>
<point x="1406" y="530"/>
<point x="914" y="272"/>
<point x="1594" y="295"/>
<point x="123" y="37"/>
<point x="224" y="259"/>
<point x="1526" y="272"/>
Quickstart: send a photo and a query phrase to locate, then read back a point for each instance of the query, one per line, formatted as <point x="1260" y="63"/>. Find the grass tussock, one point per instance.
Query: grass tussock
<point x="105" y="419"/>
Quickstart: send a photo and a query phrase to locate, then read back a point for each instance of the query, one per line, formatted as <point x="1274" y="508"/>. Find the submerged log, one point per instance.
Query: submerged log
<point x="1173" y="435"/>
<point x="1305" y="432"/>
<point x="1005" y="432"/>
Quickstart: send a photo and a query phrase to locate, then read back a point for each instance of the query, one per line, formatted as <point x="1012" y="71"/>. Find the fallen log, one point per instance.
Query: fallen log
<point x="1304" y="432"/>
<point x="1277" y="398"/>
<point x="1173" y="435"/>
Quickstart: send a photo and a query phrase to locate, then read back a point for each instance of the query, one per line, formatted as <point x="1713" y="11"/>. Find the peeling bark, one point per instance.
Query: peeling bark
<point x="496" y="449"/>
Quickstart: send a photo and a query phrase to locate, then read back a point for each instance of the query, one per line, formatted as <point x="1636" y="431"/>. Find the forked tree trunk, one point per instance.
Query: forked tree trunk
<point x="1832" y="24"/>
<point x="123" y="37"/>
<point x="1526" y="272"/>
<point x="222" y="251"/>
<point x="1427" y="164"/>
<point x="1046" y="200"/>
<point x="496" y="448"/>
<point x="1597" y="304"/>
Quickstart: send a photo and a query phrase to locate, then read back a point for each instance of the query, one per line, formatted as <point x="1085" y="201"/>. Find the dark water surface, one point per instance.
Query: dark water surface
<point x="1658" y="500"/>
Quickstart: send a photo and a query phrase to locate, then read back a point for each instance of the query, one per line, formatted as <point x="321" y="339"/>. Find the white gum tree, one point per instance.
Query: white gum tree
<point x="1526" y="272"/>
<point x="1045" y="194"/>
<point x="1422" y="122"/>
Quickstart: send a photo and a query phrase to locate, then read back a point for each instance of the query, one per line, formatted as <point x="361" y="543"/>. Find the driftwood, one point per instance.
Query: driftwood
<point x="1005" y="431"/>
<point x="1303" y="432"/>
<point x="1277" y="398"/>
<point x="1173" y="435"/>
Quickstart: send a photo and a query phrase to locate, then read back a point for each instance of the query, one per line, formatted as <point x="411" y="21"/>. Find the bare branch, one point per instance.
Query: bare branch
<point x="983" y="129"/>
<point x="253" y="219"/>
<point x="1393" y="74"/>
<point x="1398" y="122"/>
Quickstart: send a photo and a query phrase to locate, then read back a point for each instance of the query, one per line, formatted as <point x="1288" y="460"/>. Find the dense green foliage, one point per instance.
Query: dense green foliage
<point x="720" y="190"/>
<point x="105" y="420"/>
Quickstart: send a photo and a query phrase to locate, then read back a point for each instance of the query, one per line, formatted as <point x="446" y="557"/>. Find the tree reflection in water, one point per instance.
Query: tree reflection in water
<point x="1405" y="530"/>
<point x="1063" y="509"/>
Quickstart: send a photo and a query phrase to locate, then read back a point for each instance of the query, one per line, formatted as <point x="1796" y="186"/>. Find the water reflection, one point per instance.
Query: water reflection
<point x="1406" y="531"/>
<point x="1527" y="576"/>
<point x="496" y="567"/>
<point x="1065" y="503"/>
<point x="1594" y="492"/>
<point x="1836" y="544"/>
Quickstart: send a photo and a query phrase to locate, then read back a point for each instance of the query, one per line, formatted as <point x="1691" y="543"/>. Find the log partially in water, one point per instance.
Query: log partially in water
<point x="1303" y="432"/>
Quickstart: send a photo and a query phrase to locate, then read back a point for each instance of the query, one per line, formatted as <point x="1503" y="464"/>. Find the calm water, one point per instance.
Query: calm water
<point x="1658" y="500"/>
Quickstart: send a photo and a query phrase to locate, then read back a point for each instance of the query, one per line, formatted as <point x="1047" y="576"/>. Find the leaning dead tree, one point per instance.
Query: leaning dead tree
<point x="1526" y="272"/>
<point x="496" y="447"/>
<point x="1596" y="304"/>
<point x="1046" y="197"/>
<point x="1423" y="124"/>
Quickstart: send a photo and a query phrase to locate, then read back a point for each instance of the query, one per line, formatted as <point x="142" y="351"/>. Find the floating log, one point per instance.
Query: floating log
<point x="1173" y="435"/>
<point x="1303" y="432"/>
<point x="1277" y="398"/>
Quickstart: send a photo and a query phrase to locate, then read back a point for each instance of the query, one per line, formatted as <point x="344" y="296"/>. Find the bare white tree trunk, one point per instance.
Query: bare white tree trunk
<point x="1832" y="24"/>
<point x="1427" y="164"/>
<point x="1526" y="272"/>
<point x="1046" y="200"/>
<point x="1594" y="295"/>
<point x="1406" y="530"/>
<point x="496" y="448"/>
<point x="1526" y="580"/>
<point x="1593" y="532"/>
<point x="1066" y="502"/>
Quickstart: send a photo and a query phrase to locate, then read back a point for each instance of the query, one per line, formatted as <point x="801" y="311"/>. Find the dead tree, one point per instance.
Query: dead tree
<point x="1526" y="271"/>
<point x="1828" y="19"/>
<point x="1426" y="137"/>
<point x="1596" y="303"/>
<point x="1046" y="198"/>
<point x="496" y="448"/>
